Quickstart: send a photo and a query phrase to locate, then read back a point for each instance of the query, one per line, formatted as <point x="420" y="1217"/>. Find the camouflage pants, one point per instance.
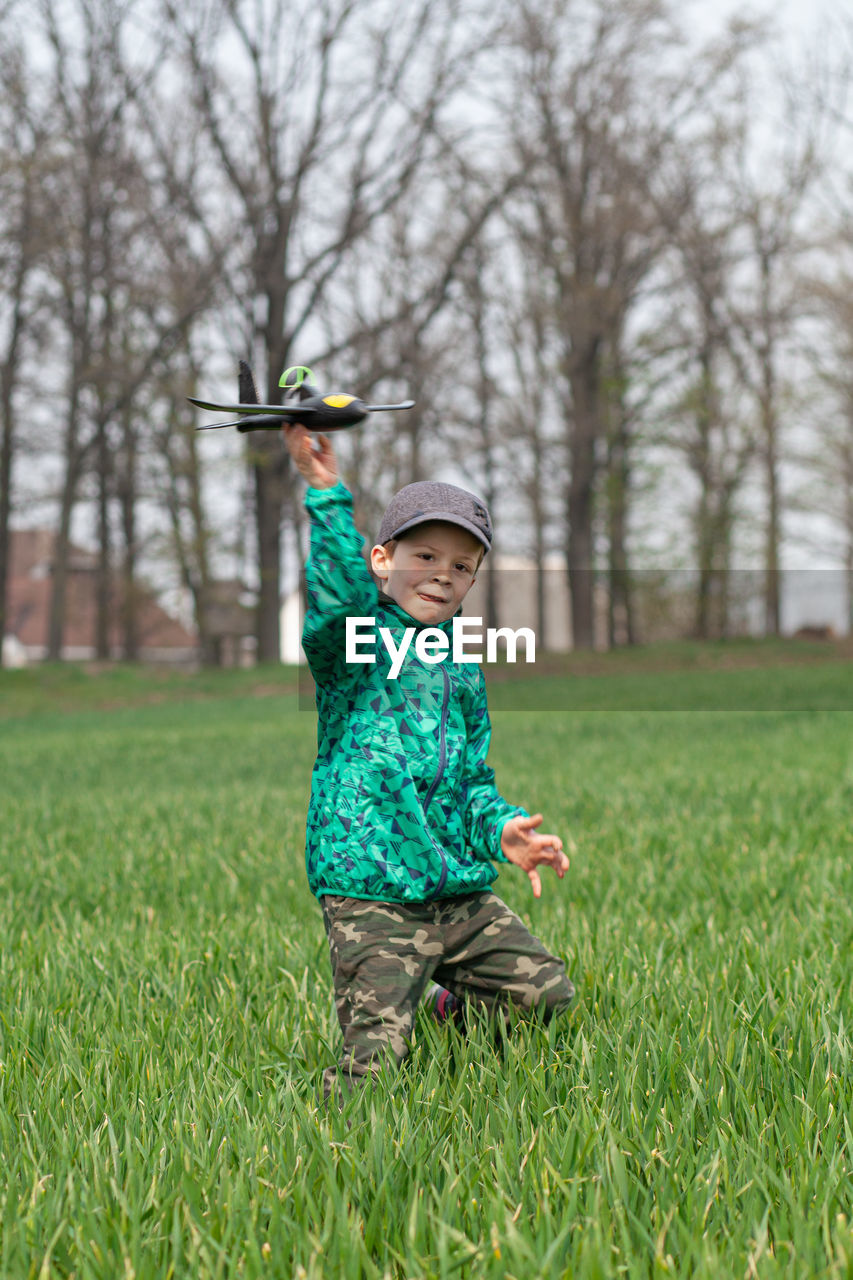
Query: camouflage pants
<point x="384" y="954"/>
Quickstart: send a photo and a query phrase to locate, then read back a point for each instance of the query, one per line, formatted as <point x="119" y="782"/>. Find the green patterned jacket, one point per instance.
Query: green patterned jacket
<point x="403" y="805"/>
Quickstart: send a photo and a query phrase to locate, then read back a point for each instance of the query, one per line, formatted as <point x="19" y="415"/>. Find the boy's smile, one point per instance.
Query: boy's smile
<point x="430" y="570"/>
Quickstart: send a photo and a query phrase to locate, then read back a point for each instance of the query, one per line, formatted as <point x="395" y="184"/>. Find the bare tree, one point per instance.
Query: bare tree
<point x="617" y="487"/>
<point x="826" y="456"/>
<point x="23" y="161"/>
<point x="730" y="242"/>
<point x="585" y="134"/>
<point x="312" y="149"/>
<point x="182" y="486"/>
<point x="122" y="293"/>
<point x="421" y="340"/>
<point x="770" y="198"/>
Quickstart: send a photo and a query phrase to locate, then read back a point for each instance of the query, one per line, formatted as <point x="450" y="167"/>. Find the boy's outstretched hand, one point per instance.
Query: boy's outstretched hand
<point x="529" y="850"/>
<point x="319" y="466"/>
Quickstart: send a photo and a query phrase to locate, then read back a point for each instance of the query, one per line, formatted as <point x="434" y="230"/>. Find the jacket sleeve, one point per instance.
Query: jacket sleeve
<point x="485" y="810"/>
<point x="338" y="581"/>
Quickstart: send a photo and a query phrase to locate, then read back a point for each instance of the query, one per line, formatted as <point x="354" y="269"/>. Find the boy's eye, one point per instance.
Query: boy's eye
<point x="428" y="555"/>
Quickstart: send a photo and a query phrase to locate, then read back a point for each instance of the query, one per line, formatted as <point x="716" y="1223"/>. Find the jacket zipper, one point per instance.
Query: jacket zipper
<point x="442" y="760"/>
<point x="442" y="754"/>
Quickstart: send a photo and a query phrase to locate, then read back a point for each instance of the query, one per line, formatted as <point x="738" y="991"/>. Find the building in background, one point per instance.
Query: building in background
<point x="162" y="638"/>
<point x="813" y="601"/>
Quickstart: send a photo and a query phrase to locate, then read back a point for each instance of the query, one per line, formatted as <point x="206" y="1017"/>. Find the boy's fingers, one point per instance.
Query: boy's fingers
<point x="536" y="883"/>
<point x="554" y="857"/>
<point x="294" y="437"/>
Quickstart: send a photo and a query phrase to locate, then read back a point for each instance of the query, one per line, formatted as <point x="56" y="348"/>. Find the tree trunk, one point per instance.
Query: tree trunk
<point x="130" y="618"/>
<point x="620" y="605"/>
<point x="705" y="565"/>
<point x="847" y="477"/>
<point x="59" y="586"/>
<point x="191" y="552"/>
<point x="7" y="439"/>
<point x="104" y="570"/>
<point x="6" y="457"/>
<point x="584" y="428"/>
<point x="8" y="378"/>
<point x="269" y="466"/>
<point x="267" y="462"/>
<point x="621" y="622"/>
<point x="772" y="601"/>
<point x="539" y="547"/>
<point x="723" y="574"/>
<point x="703" y="467"/>
<point x="492" y="584"/>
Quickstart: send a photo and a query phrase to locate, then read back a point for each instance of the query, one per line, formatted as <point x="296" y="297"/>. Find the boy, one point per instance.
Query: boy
<point x="404" y="817"/>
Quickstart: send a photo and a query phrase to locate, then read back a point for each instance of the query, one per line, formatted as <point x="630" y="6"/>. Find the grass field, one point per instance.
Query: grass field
<point x="165" y="1000"/>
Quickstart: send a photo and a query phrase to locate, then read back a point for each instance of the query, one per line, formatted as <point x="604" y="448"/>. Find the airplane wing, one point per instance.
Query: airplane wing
<point x="374" y="408"/>
<point x="295" y="410"/>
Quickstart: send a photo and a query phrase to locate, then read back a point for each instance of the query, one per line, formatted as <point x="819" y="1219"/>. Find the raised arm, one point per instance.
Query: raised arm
<point x="338" y="580"/>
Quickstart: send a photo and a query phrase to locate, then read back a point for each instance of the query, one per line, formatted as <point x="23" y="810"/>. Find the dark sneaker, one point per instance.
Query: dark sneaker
<point x="442" y="1004"/>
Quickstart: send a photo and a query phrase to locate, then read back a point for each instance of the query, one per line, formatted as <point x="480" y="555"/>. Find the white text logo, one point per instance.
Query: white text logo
<point x="433" y="645"/>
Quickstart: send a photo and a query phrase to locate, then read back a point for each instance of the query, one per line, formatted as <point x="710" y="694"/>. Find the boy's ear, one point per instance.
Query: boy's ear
<point x="379" y="561"/>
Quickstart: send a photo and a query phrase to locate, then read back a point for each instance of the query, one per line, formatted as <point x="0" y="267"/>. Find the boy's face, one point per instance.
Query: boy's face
<point x="430" y="571"/>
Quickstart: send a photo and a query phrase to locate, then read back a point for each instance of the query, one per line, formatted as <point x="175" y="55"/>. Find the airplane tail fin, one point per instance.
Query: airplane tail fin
<point x="247" y="393"/>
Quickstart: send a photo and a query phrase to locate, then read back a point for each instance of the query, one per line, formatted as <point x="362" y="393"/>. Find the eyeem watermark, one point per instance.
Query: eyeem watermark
<point x="433" y="645"/>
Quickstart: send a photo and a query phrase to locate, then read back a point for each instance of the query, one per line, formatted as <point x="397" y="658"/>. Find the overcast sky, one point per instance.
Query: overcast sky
<point x="800" y="17"/>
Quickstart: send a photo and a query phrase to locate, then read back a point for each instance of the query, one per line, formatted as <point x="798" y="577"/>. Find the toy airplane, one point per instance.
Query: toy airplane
<point x="317" y="412"/>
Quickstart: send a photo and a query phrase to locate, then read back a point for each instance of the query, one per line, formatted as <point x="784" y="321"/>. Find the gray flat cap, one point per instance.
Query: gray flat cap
<point x="431" y="500"/>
